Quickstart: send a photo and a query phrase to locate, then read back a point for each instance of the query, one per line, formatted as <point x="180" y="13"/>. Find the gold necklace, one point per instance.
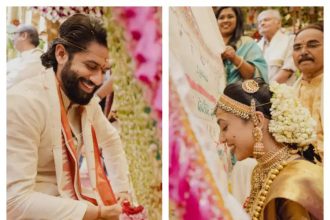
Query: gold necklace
<point x="268" y="167"/>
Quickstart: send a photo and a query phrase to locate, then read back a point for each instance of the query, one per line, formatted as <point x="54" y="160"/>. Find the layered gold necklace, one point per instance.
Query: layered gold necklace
<point x="268" y="167"/>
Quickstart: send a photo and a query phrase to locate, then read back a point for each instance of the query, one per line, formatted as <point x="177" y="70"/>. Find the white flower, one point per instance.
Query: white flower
<point x="291" y="122"/>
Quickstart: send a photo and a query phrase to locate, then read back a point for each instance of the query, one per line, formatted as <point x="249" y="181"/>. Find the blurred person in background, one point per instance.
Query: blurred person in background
<point x="242" y="57"/>
<point x="277" y="47"/>
<point x="28" y="62"/>
<point x="308" y="57"/>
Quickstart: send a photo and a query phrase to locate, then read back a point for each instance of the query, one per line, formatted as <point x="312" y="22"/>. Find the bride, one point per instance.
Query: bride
<point x="269" y="124"/>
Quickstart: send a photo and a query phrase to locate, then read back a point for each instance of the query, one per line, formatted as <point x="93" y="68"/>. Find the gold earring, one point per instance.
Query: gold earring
<point x="258" y="147"/>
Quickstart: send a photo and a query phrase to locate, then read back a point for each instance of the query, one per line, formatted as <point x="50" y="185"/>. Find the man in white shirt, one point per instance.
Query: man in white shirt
<point x="28" y="63"/>
<point x="277" y="47"/>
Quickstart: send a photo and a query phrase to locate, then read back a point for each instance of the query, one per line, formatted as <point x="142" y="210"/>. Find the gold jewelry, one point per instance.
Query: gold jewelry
<point x="239" y="109"/>
<point x="263" y="175"/>
<point x="253" y="113"/>
<point x="230" y="105"/>
<point x="258" y="148"/>
<point x="241" y="63"/>
<point x="250" y="86"/>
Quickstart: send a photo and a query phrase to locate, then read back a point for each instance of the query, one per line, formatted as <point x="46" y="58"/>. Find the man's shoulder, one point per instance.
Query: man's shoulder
<point x="34" y="87"/>
<point x="93" y="106"/>
<point x="282" y="36"/>
<point x="36" y="52"/>
<point x="32" y="56"/>
<point x="13" y="64"/>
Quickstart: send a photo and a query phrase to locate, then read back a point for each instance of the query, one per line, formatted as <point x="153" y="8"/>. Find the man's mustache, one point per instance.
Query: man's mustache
<point x="305" y="58"/>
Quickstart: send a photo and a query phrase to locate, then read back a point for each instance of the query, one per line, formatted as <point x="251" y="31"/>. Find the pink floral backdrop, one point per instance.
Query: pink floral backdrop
<point x="135" y="48"/>
<point x="143" y="31"/>
<point x="192" y="189"/>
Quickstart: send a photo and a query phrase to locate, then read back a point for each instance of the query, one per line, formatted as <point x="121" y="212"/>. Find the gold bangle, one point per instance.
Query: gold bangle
<point x="241" y="63"/>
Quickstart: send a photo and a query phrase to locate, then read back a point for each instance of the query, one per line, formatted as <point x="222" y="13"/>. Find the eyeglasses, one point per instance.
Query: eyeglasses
<point x="309" y="45"/>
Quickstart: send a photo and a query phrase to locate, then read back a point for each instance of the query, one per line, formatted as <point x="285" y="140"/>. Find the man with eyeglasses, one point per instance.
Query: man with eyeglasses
<point x="308" y="57"/>
<point x="277" y="47"/>
<point x="27" y="64"/>
<point x="52" y="121"/>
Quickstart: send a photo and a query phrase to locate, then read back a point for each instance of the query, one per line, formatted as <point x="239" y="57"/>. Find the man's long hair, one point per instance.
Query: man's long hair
<point x="76" y="33"/>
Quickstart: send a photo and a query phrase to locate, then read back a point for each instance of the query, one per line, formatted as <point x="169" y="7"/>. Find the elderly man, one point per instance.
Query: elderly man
<point x="308" y="57"/>
<point x="52" y="121"/>
<point x="277" y="47"/>
<point x="28" y="62"/>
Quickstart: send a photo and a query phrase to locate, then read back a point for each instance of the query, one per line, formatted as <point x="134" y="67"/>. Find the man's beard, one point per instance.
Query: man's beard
<point x="70" y="80"/>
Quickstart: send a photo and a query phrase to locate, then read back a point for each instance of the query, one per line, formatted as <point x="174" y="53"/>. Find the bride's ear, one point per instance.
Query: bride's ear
<point x="260" y="118"/>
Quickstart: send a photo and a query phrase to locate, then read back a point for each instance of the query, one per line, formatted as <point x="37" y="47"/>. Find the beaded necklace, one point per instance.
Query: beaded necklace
<point x="268" y="167"/>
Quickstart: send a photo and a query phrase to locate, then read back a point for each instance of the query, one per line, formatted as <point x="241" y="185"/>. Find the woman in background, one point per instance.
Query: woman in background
<point x="242" y="57"/>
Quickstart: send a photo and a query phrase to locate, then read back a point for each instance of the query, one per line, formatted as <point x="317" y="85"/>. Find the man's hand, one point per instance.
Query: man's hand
<point x="122" y="196"/>
<point x="111" y="212"/>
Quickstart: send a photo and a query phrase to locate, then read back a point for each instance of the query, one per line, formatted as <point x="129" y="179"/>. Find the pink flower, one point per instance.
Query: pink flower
<point x="144" y="43"/>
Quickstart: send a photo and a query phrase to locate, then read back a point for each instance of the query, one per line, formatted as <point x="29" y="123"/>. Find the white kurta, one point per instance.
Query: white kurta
<point x="310" y="94"/>
<point x="278" y="54"/>
<point x="34" y="151"/>
<point x="26" y="65"/>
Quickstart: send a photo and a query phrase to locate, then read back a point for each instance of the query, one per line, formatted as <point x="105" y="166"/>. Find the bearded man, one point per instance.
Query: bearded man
<point x="52" y="121"/>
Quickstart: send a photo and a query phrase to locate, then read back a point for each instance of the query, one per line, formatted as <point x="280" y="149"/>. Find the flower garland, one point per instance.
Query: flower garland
<point x="59" y="13"/>
<point x="192" y="189"/>
<point x="291" y="123"/>
<point x="137" y="128"/>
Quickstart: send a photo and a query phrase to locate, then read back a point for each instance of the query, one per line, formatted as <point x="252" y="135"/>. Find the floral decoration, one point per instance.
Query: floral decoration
<point x="192" y="189"/>
<point x="291" y="123"/>
<point x="138" y="129"/>
<point x="59" y="12"/>
<point x="144" y="37"/>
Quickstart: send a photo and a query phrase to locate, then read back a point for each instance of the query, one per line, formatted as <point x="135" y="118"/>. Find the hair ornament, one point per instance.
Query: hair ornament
<point x="250" y="86"/>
